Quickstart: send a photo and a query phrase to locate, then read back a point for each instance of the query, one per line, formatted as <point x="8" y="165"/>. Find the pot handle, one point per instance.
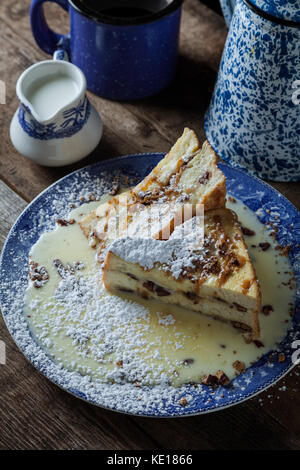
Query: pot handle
<point x="45" y="38"/>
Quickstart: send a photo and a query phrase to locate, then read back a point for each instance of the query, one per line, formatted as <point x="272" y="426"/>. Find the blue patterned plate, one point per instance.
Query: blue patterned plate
<point x="54" y="202"/>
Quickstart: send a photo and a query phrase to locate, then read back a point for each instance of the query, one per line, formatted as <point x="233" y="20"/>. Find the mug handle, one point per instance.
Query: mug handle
<point x="45" y="38"/>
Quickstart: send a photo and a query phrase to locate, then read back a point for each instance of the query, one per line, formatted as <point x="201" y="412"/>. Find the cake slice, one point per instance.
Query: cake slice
<point x="215" y="278"/>
<point x="186" y="175"/>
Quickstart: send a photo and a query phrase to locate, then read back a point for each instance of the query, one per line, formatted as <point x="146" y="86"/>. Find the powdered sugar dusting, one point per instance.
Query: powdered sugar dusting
<point x="175" y="255"/>
<point x="108" y="334"/>
<point x="172" y="254"/>
<point x="156" y="400"/>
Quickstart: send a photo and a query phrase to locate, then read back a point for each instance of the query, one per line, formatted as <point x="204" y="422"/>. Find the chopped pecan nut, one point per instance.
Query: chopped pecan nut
<point x="267" y="309"/>
<point x="264" y="246"/>
<point x="285" y="250"/>
<point x="188" y="361"/>
<point x="248" y="231"/>
<point x="209" y="379"/>
<point x="147" y="197"/>
<point x="281" y="357"/>
<point x="119" y="363"/>
<point x="247" y="338"/>
<point x="239" y="366"/>
<point x="63" y="270"/>
<point x="64" y="222"/>
<point x="38" y="275"/>
<point x="258" y="343"/>
<point x="222" y="378"/>
<point x="212" y="266"/>
<point x="183" y="401"/>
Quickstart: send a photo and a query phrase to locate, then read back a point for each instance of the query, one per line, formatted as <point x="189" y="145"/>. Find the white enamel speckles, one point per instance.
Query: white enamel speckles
<point x="252" y="121"/>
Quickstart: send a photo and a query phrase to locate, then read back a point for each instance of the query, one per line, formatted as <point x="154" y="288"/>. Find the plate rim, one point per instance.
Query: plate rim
<point x="86" y="399"/>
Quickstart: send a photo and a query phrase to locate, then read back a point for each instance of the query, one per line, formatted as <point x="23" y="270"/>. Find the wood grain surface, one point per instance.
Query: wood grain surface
<point x="34" y="413"/>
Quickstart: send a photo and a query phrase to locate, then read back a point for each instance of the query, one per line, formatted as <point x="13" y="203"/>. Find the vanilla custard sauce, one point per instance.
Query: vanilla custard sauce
<point x="117" y="339"/>
<point x="50" y="94"/>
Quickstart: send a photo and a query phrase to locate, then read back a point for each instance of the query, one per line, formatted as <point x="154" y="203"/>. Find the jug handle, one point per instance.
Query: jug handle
<point x="227" y="7"/>
<point x="45" y="38"/>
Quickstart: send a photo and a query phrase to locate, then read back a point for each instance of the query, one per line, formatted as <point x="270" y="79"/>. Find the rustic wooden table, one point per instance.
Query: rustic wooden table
<point x="34" y="413"/>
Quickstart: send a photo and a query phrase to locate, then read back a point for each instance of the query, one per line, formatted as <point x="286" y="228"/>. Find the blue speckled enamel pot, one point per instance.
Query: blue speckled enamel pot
<point x="122" y="59"/>
<point x="227" y="7"/>
<point x="253" y="121"/>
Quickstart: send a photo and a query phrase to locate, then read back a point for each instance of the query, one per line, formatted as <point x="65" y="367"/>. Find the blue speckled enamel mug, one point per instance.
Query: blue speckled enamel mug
<point x="124" y="56"/>
<point x="253" y="121"/>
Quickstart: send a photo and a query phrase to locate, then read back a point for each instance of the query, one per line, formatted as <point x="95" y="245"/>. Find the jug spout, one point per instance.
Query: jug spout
<point x="48" y="88"/>
<point x="55" y="124"/>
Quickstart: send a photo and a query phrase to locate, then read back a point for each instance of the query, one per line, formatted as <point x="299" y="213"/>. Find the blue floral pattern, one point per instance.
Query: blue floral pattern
<point x="68" y="123"/>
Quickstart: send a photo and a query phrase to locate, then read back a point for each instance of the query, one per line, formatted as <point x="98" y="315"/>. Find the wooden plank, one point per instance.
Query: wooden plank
<point x="290" y="191"/>
<point x="68" y="423"/>
<point x="264" y="422"/>
<point x="11" y="207"/>
<point x="148" y="125"/>
<point x="34" y="413"/>
<point x="57" y="420"/>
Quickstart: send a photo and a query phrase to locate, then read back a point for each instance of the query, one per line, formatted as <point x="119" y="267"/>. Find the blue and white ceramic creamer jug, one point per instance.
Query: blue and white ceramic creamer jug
<point x="55" y="124"/>
<point x="253" y="121"/>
